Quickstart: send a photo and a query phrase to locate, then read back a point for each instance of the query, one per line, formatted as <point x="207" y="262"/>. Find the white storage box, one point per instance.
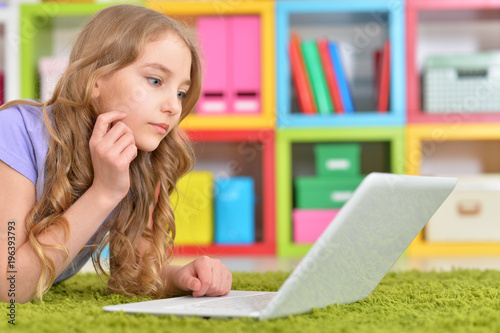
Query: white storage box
<point x="470" y="214"/>
<point x="462" y="83"/>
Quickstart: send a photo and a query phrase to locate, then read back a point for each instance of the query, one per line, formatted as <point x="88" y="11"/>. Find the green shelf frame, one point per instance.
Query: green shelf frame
<point x="285" y="138"/>
<point x="36" y="22"/>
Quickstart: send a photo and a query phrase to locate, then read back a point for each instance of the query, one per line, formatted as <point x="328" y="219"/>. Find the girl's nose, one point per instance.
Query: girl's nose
<point x="172" y="104"/>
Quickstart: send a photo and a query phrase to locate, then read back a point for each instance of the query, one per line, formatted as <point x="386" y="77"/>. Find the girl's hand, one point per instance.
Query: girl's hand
<point x="112" y="148"/>
<point x="204" y="277"/>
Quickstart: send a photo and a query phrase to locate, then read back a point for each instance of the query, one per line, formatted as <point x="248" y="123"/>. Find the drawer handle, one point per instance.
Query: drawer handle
<point x="340" y="196"/>
<point x="469" y="208"/>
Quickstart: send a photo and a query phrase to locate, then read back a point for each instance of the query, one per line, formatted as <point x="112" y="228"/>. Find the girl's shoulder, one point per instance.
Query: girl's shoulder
<point x="23" y="139"/>
<point x="21" y="115"/>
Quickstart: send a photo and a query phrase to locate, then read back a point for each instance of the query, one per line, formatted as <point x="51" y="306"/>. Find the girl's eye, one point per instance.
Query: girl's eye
<point x="181" y="95"/>
<point x="154" y="82"/>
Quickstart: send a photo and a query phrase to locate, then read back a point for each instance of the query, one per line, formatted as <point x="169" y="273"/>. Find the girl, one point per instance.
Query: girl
<point x="88" y="161"/>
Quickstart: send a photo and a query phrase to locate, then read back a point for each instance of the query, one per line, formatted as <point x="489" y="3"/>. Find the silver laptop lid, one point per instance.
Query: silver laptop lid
<point x="369" y="234"/>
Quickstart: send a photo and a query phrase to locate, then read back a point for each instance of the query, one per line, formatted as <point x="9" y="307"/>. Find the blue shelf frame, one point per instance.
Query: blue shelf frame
<point x="396" y="31"/>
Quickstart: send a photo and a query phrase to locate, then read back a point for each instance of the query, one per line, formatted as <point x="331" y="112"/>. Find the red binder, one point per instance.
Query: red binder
<point x="331" y="80"/>
<point x="300" y="78"/>
<point x="384" y="86"/>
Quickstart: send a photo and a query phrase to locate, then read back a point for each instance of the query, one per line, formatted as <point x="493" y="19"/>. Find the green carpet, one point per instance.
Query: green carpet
<point x="457" y="301"/>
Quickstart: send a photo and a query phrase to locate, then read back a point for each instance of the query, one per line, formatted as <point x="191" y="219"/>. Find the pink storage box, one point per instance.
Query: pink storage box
<point x="2" y="90"/>
<point x="231" y="64"/>
<point x="245" y="57"/>
<point x="51" y="69"/>
<point x="214" y="43"/>
<point x="309" y="224"/>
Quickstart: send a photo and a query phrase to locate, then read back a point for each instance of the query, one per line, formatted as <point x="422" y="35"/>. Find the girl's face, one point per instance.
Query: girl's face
<point x="150" y="90"/>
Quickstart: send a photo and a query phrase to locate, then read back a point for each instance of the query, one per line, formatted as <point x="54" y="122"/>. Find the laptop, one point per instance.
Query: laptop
<point x="371" y="231"/>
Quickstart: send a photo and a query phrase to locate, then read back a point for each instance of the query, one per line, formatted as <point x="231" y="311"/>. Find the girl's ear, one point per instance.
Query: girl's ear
<point x="95" y="89"/>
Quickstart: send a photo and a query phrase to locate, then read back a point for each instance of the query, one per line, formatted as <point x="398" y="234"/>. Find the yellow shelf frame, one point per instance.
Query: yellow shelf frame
<point x="265" y="9"/>
<point x="433" y="134"/>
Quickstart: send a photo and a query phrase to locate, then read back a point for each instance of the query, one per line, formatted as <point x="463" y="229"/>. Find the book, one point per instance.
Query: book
<point x="300" y="78"/>
<point x="383" y="86"/>
<point x="377" y="60"/>
<point x="341" y="78"/>
<point x="317" y="77"/>
<point x="331" y="80"/>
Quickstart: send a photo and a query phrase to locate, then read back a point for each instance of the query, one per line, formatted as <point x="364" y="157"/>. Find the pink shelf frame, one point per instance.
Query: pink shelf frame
<point x="415" y="114"/>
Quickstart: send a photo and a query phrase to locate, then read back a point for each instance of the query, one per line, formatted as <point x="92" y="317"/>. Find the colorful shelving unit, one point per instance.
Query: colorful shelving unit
<point x="281" y="136"/>
<point x="256" y="128"/>
<point x="3" y="50"/>
<point x="39" y="21"/>
<point x="359" y="27"/>
<point x="9" y="19"/>
<point x="37" y="33"/>
<point x="426" y="132"/>
<point x="422" y="140"/>
<point x="390" y="138"/>
<point x="418" y="14"/>
<point x="265" y="9"/>
<point x="369" y="20"/>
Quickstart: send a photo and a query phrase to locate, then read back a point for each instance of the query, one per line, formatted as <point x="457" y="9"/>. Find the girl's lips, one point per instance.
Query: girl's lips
<point x="160" y="128"/>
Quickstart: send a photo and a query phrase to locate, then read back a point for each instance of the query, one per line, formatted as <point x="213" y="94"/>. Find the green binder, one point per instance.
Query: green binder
<point x="317" y="77"/>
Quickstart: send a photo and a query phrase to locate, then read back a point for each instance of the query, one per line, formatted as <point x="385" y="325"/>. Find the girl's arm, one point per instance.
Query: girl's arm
<point x="112" y="149"/>
<point x="17" y="198"/>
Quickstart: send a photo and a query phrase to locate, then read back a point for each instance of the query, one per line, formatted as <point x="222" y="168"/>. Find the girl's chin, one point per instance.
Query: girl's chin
<point x="148" y="147"/>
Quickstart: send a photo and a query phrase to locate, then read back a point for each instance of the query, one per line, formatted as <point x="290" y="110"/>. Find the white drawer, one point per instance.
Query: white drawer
<point x="470" y="214"/>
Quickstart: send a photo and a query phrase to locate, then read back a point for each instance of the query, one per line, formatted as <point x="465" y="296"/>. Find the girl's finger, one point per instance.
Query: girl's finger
<point x="130" y="153"/>
<point x="117" y="130"/>
<point x="188" y="282"/>
<point x="229" y="282"/>
<point x="225" y="282"/>
<point x="215" y="286"/>
<point x="121" y="143"/>
<point x="204" y="274"/>
<point x="104" y="122"/>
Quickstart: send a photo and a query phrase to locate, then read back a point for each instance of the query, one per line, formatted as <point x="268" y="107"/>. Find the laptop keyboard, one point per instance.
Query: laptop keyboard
<point x="233" y="304"/>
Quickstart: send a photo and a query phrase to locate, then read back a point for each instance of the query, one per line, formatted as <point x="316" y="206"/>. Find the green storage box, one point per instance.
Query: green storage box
<point x="338" y="160"/>
<point x="317" y="192"/>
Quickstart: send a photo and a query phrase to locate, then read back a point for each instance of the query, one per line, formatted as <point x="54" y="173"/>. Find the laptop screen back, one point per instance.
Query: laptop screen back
<point x="372" y="230"/>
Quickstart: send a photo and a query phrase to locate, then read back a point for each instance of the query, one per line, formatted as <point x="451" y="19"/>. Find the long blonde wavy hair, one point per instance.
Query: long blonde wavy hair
<point x="111" y="40"/>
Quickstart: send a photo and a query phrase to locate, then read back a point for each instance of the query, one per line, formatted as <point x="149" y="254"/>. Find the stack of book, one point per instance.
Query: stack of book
<point x="320" y="81"/>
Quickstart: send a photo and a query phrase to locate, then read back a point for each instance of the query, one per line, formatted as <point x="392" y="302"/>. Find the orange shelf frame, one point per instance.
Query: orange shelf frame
<point x="434" y="134"/>
<point x="265" y="9"/>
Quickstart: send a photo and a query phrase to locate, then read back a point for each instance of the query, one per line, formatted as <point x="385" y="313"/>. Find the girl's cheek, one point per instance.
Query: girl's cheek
<point x="138" y="94"/>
